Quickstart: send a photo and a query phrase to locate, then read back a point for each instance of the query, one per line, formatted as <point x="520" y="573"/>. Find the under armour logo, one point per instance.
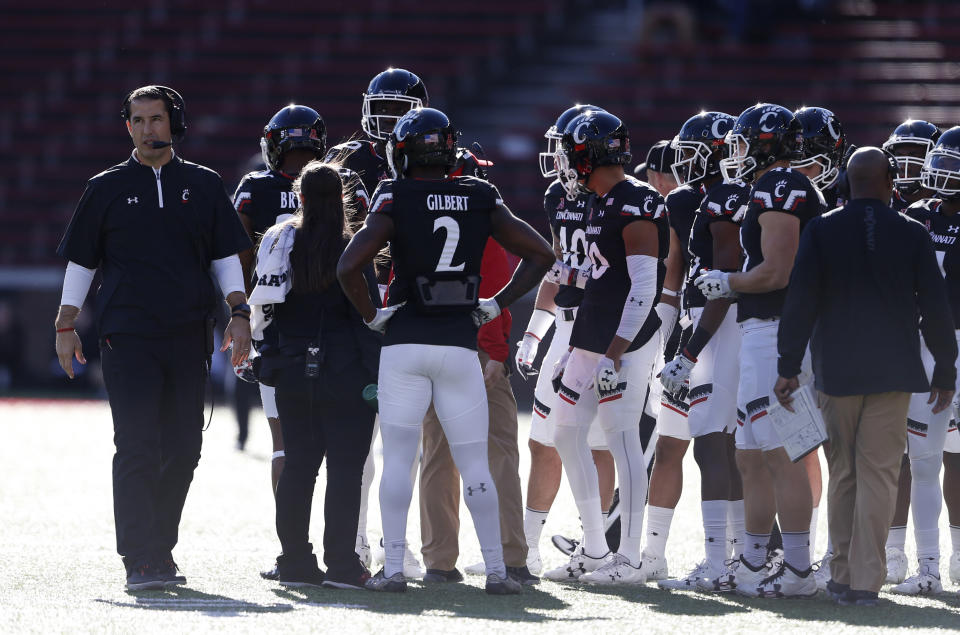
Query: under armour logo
<point x="581" y="203"/>
<point x="132" y="200"/>
<point x="953" y="229"/>
<point x="481" y="489"/>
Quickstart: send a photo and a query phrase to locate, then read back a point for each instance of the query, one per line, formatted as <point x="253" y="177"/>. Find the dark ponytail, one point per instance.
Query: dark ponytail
<point x="322" y="231"/>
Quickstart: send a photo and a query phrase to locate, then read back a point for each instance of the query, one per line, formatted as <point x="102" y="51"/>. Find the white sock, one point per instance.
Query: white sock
<point x="396" y="490"/>
<point x="897" y="537"/>
<point x="796" y="549"/>
<point x="658" y="530"/>
<point x="813" y="533"/>
<point x="571" y="444"/>
<point x="955" y="537"/>
<point x="627" y="453"/>
<point x="715" y="531"/>
<point x="755" y="549"/>
<point x="926" y="501"/>
<point x="480" y="495"/>
<point x="736" y="527"/>
<point x="533" y="522"/>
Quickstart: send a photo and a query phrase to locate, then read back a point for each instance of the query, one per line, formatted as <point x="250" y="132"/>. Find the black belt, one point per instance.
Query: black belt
<point x="566" y="315"/>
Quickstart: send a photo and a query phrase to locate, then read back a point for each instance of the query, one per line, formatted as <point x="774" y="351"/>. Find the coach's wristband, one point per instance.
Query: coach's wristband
<point x="279" y="454"/>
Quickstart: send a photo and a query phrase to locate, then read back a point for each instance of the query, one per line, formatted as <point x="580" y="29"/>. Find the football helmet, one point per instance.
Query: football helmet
<point x="292" y="128"/>
<point x="941" y="170"/>
<point x="823" y="144"/>
<point x="762" y="135"/>
<point x="548" y="164"/>
<point x="910" y="142"/>
<point x="699" y="146"/>
<point x="591" y="140"/>
<point x="390" y="95"/>
<point x="423" y="136"/>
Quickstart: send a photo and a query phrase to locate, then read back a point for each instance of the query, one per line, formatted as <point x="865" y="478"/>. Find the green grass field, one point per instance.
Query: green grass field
<point x="59" y="571"/>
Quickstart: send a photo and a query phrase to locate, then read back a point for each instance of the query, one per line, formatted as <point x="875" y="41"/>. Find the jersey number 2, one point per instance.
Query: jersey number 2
<point x="452" y="229"/>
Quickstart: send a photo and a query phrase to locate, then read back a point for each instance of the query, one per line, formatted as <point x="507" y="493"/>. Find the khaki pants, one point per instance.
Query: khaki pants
<point x="867" y="434"/>
<point x="440" y="483"/>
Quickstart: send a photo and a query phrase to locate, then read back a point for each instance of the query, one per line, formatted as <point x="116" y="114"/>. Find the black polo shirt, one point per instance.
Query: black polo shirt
<point x="153" y="233"/>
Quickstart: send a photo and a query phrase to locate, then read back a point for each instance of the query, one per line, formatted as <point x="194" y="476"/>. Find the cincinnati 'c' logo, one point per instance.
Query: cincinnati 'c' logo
<point x="646" y="205"/>
<point x="715" y="128"/>
<point x="778" y="190"/>
<point x="730" y="202"/>
<point x="767" y="127"/>
<point x="578" y="135"/>
<point x="833" y="132"/>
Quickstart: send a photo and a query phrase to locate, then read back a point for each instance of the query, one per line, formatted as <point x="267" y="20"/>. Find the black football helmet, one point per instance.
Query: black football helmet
<point x="762" y="135"/>
<point x="548" y="164"/>
<point x="941" y="170"/>
<point x="910" y="142"/>
<point x="823" y="144"/>
<point x="700" y="145"/>
<point x="423" y="136"/>
<point x="592" y="139"/>
<point x="293" y="127"/>
<point x="395" y="91"/>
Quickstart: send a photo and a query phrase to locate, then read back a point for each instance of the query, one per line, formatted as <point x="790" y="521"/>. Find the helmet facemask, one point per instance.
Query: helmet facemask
<point x="694" y="157"/>
<point x="379" y="126"/>
<point x="568" y="176"/>
<point x="548" y="159"/>
<point x="910" y="168"/>
<point x="941" y="172"/>
<point x="739" y="165"/>
<point x="828" y="171"/>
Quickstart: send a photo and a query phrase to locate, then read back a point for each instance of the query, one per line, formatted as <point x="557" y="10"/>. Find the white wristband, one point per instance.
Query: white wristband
<point x="670" y="293"/>
<point x="76" y="284"/>
<point x="540" y="323"/>
<point x="279" y="454"/>
<point x="229" y="274"/>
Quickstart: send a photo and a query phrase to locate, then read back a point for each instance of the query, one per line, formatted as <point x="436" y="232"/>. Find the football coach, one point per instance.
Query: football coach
<point x="862" y="276"/>
<point x="157" y="227"/>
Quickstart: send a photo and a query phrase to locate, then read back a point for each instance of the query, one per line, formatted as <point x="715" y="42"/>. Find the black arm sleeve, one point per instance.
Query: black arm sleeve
<point x="801" y="305"/>
<point x="936" y="319"/>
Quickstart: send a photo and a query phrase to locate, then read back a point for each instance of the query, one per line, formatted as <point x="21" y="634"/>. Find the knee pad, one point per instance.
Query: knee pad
<point x="926" y="469"/>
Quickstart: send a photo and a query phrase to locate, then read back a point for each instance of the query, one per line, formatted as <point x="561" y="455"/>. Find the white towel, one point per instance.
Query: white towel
<point x="274" y="278"/>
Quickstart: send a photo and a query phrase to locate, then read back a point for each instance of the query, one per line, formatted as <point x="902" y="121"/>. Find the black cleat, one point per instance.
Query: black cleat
<point x="854" y="597"/>
<point x="272" y="574"/>
<point x="170" y="572"/>
<point x="302" y="572"/>
<point x="522" y="575"/>
<point x="354" y="580"/>
<point x="566" y="545"/>
<point x="144" y="577"/>
<point x="440" y="575"/>
<point x="502" y="586"/>
<point x="394" y="584"/>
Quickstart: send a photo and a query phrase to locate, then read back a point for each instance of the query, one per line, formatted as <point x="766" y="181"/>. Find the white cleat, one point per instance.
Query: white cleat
<point x="655" y="566"/>
<point x="534" y="563"/>
<point x="896" y="565"/>
<point x="579" y="564"/>
<point x="787" y="582"/>
<point x="476" y="569"/>
<point x="822" y="573"/>
<point x="688" y="583"/>
<point x="747" y="578"/>
<point x="363" y="550"/>
<point x="717" y="579"/>
<point x="616" y="570"/>
<point x="955" y="567"/>
<point x="923" y="583"/>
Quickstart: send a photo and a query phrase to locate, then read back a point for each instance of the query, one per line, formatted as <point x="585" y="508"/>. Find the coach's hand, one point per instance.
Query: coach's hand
<point x="492" y="370"/>
<point x="68" y="346"/>
<point x="940" y="398"/>
<point x="238" y="334"/>
<point x="783" y="390"/>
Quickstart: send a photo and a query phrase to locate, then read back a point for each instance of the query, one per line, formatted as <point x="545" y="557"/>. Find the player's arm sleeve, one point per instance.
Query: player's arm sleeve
<point x="802" y="304"/>
<point x="229" y="237"/>
<point x="82" y="243"/>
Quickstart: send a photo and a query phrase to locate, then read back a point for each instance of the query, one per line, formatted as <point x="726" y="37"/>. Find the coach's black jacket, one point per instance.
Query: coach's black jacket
<point x="862" y="276"/>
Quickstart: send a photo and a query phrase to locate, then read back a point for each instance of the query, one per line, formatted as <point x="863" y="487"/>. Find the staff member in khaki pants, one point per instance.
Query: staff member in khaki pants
<point x="439" y="480"/>
<point x="861" y="276"/>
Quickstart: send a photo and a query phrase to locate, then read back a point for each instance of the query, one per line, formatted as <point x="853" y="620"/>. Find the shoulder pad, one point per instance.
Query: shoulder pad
<point x="782" y="190"/>
<point x="727" y="200"/>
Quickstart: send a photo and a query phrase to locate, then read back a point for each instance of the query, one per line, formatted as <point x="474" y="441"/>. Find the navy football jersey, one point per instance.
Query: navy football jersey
<point x="779" y="190"/>
<point x="724" y="203"/>
<point x="568" y="223"/>
<point x="264" y="195"/>
<point x="944" y="232"/>
<point x="441" y="227"/>
<point x="362" y="158"/>
<point x="898" y="203"/>
<point x="606" y="292"/>
<point x="682" y="204"/>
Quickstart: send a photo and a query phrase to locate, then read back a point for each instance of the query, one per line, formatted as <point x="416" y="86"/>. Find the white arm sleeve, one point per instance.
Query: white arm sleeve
<point x="229" y="274"/>
<point x="76" y="284"/>
<point x="643" y="288"/>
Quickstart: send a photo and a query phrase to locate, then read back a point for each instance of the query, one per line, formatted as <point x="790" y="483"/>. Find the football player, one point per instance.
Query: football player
<point x="927" y="435"/>
<point x="556" y="304"/>
<point x="437" y="228"/>
<point x="293" y="137"/>
<point x="704" y="371"/>
<point x="614" y="341"/>
<point x="764" y="140"/>
<point x="910" y="142"/>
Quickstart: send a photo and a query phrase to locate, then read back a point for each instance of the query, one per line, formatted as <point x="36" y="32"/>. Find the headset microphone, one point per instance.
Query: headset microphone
<point x="160" y="144"/>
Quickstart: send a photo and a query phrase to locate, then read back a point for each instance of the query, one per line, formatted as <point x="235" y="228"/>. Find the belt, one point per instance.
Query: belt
<point x="566" y="315"/>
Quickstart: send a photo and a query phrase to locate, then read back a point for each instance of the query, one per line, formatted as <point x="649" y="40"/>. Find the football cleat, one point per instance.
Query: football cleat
<point x="394" y="584"/>
<point x="534" y="563"/>
<point x="717" y="579"/>
<point x="689" y="583"/>
<point x="896" y="565"/>
<point x="579" y="564"/>
<point x="363" y="550"/>
<point x="955" y="567"/>
<point x="616" y="570"/>
<point x="923" y="583"/>
<point x="566" y="545"/>
<point x="822" y="571"/>
<point x="655" y="566"/>
<point x="747" y="578"/>
<point x="502" y="586"/>
<point x="788" y="582"/>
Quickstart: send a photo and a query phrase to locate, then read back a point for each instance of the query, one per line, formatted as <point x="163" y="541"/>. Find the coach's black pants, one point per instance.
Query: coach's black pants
<point x="156" y="388"/>
<point x="323" y="417"/>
